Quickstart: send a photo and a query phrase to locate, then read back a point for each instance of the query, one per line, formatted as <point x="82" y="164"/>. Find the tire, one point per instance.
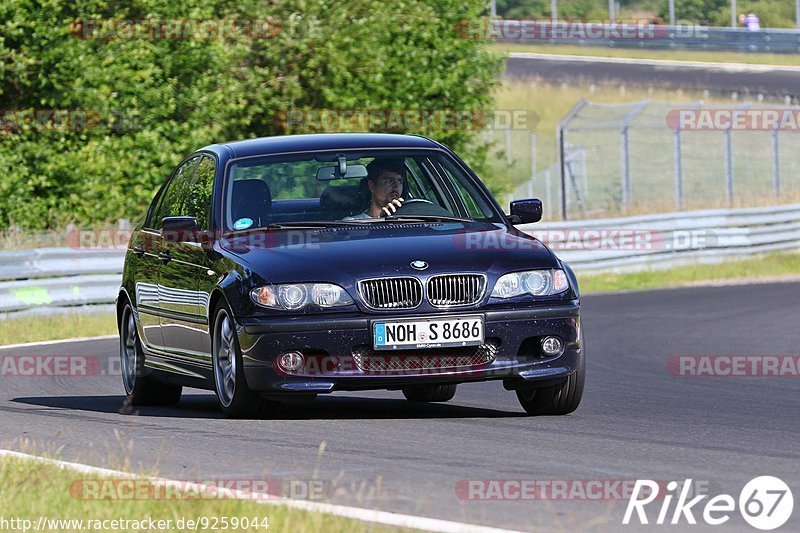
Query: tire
<point x="429" y="393"/>
<point x="559" y="399"/>
<point x="235" y="398"/>
<point x="140" y="388"/>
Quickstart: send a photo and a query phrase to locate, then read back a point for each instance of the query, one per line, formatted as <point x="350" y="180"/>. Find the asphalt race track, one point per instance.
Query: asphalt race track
<point x="717" y="78"/>
<point x="636" y="421"/>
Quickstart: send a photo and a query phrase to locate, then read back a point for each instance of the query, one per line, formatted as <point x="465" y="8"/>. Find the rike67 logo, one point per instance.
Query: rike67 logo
<point x="765" y="503"/>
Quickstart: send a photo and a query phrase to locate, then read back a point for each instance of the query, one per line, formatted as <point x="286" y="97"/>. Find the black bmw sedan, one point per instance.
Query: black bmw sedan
<point x="301" y="265"/>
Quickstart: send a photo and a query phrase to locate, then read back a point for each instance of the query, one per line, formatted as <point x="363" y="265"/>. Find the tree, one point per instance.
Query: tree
<point x="135" y="106"/>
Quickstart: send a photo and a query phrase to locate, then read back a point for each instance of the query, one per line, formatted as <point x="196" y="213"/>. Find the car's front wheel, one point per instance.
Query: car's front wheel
<point x="235" y="398"/>
<point x="429" y="393"/>
<point x="140" y="388"/>
<point x="560" y="399"/>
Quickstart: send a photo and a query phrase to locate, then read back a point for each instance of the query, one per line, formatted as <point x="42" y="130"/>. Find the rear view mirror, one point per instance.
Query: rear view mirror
<point x="526" y="211"/>
<point x="332" y="173"/>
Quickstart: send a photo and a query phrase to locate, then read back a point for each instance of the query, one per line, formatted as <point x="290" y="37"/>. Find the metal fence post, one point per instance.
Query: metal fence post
<point x="561" y="152"/>
<point x="626" y="163"/>
<point x="533" y="156"/>
<point x="678" y="154"/>
<point x="776" y="164"/>
<point x="729" y="165"/>
<point x="626" y="169"/>
<point x="548" y="194"/>
<point x="562" y="173"/>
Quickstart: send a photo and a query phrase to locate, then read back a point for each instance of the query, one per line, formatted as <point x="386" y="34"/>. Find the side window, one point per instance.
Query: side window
<point x="172" y="198"/>
<point x="419" y="183"/>
<point x="198" y="195"/>
<point x="149" y="221"/>
<point x="468" y="197"/>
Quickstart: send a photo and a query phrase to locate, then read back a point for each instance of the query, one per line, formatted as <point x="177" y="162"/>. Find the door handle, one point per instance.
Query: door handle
<point x="138" y="251"/>
<point x="165" y="257"/>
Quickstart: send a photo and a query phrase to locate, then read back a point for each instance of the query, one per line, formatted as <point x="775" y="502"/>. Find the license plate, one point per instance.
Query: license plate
<point x="420" y="333"/>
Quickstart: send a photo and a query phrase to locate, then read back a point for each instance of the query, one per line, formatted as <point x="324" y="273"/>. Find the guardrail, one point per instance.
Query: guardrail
<point x="63" y="279"/>
<point x="52" y="279"/>
<point x="672" y="239"/>
<point x="644" y="35"/>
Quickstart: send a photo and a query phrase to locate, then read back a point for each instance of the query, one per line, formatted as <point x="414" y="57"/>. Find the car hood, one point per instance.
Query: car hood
<point x="342" y="254"/>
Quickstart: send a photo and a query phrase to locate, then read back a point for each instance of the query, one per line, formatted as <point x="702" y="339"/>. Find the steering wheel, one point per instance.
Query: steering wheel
<point x="412" y="201"/>
<point x="420" y="206"/>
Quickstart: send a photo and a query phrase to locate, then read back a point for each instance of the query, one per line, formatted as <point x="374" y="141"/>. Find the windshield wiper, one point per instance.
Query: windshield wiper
<point x="424" y="218"/>
<point x="311" y="224"/>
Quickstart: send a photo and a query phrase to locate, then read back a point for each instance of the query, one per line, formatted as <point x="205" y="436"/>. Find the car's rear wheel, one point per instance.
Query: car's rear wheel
<point x="429" y="393"/>
<point x="235" y="398"/>
<point x="140" y="388"/>
<point x="560" y="399"/>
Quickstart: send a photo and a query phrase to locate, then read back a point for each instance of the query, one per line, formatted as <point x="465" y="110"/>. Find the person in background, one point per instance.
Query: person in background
<point x="751" y="22"/>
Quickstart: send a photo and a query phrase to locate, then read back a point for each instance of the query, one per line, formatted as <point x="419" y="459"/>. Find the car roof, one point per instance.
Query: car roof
<point x="318" y="141"/>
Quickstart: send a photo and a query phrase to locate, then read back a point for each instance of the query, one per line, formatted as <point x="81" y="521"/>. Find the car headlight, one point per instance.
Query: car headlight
<point x="293" y="296"/>
<point x="534" y="282"/>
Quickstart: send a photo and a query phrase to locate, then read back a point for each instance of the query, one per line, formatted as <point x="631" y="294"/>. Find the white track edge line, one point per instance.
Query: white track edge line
<point x="57" y="341"/>
<point x="357" y="513"/>
<point x="730" y="67"/>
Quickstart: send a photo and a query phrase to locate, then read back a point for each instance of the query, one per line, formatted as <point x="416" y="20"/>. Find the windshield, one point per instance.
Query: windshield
<point x="350" y="187"/>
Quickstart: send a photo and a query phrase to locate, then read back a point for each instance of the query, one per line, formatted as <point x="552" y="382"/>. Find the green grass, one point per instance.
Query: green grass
<point x="52" y="327"/>
<point x="772" y="266"/>
<point x="651" y="153"/>
<point x="31" y="489"/>
<point x="673" y="55"/>
<point x="550" y="104"/>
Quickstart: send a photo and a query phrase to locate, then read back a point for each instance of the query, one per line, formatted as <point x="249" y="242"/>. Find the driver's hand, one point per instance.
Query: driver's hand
<point x="391" y="207"/>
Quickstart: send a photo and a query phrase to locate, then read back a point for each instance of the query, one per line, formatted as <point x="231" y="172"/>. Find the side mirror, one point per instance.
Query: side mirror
<point x="180" y="229"/>
<point x="526" y="211"/>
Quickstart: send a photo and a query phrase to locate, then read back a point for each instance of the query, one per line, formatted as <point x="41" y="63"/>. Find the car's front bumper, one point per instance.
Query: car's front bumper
<point x="333" y="342"/>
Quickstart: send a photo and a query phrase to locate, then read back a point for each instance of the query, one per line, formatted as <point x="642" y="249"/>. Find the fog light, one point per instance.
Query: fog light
<point x="552" y="346"/>
<point x="291" y="361"/>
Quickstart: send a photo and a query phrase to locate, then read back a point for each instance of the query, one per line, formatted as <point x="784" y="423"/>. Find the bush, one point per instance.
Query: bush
<point x="771" y="13"/>
<point x="540" y="9"/>
<point x="139" y="105"/>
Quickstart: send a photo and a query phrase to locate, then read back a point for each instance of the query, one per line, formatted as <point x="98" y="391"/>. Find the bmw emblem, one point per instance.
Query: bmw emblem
<point x="419" y="265"/>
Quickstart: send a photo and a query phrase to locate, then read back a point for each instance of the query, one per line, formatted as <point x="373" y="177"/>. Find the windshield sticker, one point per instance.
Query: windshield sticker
<point x="243" y="223"/>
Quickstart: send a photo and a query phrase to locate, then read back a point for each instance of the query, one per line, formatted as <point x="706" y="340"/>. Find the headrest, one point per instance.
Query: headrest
<point x="342" y="198"/>
<point x="251" y="199"/>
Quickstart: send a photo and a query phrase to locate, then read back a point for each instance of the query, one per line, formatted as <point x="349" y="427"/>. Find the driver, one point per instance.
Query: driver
<point x="385" y="181"/>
